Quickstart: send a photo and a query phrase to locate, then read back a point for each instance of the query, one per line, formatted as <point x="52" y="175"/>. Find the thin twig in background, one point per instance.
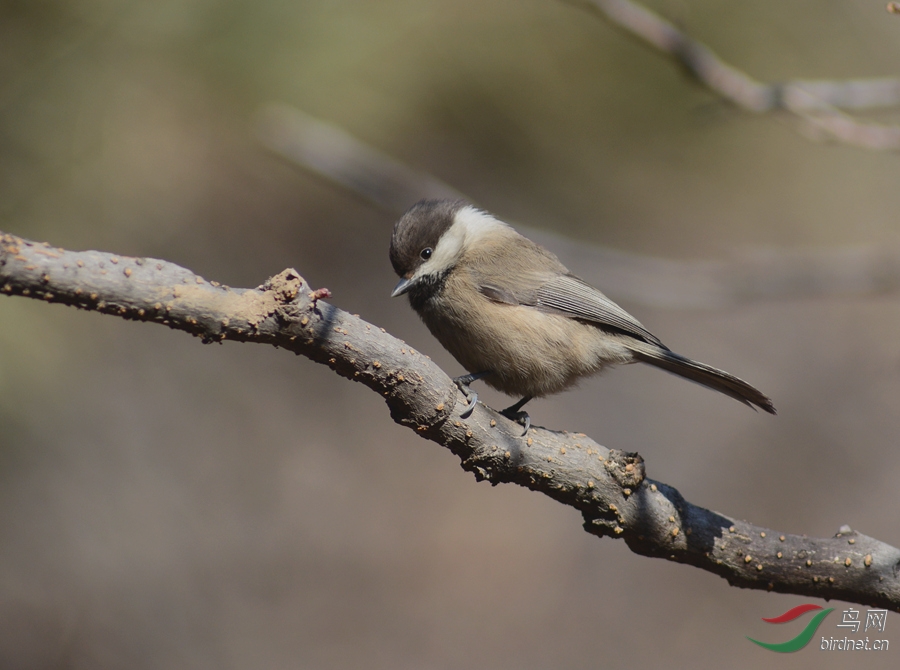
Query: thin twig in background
<point x="762" y="275"/>
<point x="331" y="152"/>
<point x="608" y="487"/>
<point x="817" y="103"/>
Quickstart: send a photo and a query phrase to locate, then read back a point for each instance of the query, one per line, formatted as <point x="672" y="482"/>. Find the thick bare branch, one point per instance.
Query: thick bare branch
<point x="607" y="486"/>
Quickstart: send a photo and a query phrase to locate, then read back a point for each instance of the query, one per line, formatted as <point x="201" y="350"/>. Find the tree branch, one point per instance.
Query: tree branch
<point x="816" y="102"/>
<point x="607" y="486"/>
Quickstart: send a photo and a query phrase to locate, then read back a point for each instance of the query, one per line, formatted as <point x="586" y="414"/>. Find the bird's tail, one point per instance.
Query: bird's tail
<point x="718" y="380"/>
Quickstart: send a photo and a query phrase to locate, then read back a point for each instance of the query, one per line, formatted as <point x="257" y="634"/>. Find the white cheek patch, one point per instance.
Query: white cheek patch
<point x="469" y="227"/>
<point x="477" y="223"/>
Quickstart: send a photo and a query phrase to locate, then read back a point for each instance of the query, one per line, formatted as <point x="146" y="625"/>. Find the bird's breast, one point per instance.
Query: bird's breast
<point x="529" y="352"/>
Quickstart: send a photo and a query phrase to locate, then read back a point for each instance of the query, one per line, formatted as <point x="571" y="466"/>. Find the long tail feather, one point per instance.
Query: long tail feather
<point x="708" y="376"/>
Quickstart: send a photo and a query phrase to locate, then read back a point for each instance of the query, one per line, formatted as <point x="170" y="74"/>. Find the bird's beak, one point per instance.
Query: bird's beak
<point x="402" y="287"/>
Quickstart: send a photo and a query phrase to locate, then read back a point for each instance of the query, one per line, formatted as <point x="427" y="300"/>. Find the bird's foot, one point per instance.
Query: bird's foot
<point x="462" y="383"/>
<point x="520" y="418"/>
<point x="514" y="413"/>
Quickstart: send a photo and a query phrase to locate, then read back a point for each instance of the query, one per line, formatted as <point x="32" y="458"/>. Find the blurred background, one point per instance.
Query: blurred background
<point x="169" y="505"/>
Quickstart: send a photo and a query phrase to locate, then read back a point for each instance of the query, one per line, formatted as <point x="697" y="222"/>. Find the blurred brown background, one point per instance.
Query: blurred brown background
<point x="169" y="505"/>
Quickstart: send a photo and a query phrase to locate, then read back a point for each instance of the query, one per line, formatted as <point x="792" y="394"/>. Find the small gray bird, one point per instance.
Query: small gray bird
<point x="512" y="314"/>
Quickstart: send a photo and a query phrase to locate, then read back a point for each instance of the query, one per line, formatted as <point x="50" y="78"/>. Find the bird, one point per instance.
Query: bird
<point x="514" y="316"/>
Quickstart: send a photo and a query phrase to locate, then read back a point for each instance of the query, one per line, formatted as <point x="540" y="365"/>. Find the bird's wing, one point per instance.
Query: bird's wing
<point x="570" y="296"/>
<point x="547" y="285"/>
<point x="566" y="295"/>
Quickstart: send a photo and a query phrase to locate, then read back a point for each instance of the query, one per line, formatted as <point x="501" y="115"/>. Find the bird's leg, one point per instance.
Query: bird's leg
<point x="462" y="383"/>
<point x="512" y="412"/>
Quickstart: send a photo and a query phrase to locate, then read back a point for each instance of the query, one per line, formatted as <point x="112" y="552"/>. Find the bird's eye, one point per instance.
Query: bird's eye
<point x="426" y="253"/>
